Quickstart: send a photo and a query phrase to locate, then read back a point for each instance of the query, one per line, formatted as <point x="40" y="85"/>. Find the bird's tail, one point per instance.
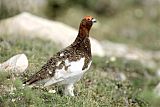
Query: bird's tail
<point x="30" y="81"/>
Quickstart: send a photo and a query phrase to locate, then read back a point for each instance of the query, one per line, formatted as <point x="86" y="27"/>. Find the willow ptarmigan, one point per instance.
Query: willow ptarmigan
<point x="67" y="66"/>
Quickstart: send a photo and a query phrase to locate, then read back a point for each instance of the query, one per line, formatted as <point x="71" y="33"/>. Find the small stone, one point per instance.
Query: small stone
<point x="121" y="76"/>
<point x="13" y="100"/>
<point x="112" y="59"/>
<point x="16" y="64"/>
<point x="52" y="91"/>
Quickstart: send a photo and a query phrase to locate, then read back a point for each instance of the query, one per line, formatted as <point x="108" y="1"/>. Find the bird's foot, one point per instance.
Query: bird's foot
<point x="68" y="91"/>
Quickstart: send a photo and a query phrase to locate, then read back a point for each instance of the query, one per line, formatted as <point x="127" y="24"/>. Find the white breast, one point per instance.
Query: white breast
<point x="71" y="75"/>
<point x="75" y="66"/>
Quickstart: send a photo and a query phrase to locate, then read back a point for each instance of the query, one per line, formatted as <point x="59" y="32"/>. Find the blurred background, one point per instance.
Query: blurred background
<point x="133" y="23"/>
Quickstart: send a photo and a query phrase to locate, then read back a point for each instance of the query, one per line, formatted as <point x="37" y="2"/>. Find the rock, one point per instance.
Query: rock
<point x="13" y="7"/>
<point x="147" y="58"/>
<point x="114" y="74"/>
<point x="17" y="64"/>
<point x="29" y="25"/>
<point x="157" y="90"/>
<point x="158" y="72"/>
<point x="121" y="76"/>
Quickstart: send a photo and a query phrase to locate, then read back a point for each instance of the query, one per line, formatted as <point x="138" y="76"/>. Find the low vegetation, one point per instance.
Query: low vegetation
<point x="110" y="82"/>
<point x="101" y="85"/>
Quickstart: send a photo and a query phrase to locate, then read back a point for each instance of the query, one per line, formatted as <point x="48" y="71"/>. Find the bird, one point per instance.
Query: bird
<point x="68" y="65"/>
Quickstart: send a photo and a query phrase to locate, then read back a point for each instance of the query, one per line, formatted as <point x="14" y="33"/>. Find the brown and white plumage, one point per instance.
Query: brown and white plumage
<point x="68" y="65"/>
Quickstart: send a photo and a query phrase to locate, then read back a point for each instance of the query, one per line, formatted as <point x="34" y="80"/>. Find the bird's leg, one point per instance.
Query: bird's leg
<point x="69" y="89"/>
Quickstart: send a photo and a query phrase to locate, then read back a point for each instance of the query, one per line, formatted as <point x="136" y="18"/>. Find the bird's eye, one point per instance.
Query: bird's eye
<point x="88" y="19"/>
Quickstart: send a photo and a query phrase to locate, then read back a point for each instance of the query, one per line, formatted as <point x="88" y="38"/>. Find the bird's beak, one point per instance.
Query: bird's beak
<point x="94" y="20"/>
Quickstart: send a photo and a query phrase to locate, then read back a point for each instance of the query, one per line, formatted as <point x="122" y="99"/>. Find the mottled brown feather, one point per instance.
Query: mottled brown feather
<point x="81" y="47"/>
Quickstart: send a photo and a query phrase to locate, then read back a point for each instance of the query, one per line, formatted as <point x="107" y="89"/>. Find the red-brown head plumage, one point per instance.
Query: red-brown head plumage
<point x="85" y="26"/>
<point x="89" y="18"/>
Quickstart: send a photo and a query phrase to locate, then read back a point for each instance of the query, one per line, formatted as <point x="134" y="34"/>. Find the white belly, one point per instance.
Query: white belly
<point x="74" y="72"/>
<point x="72" y="79"/>
<point x="71" y="75"/>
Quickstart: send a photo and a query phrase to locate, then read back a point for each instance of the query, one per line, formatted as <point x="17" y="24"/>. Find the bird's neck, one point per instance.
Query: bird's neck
<point x="82" y="44"/>
<point x="82" y="41"/>
<point x="82" y="35"/>
<point x="83" y="32"/>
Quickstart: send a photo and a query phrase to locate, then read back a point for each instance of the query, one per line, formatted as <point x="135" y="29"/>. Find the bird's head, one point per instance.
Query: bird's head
<point x="88" y="21"/>
<point x="86" y="24"/>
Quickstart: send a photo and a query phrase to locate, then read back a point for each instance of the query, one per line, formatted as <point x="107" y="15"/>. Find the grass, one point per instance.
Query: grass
<point x="101" y="86"/>
<point x="96" y="89"/>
